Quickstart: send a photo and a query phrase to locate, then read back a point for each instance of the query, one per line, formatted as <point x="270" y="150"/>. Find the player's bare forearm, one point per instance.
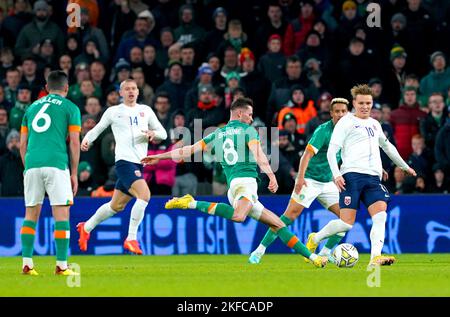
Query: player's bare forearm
<point x="304" y="162"/>
<point x="23" y="146"/>
<point x="261" y="158"/>
<point x="74" y="148"/>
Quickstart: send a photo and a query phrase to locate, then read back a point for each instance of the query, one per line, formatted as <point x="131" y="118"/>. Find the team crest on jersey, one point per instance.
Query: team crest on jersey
<point x="138" y="173"/>
<point x="142" y="114"/>
<point x="347" y="200"/>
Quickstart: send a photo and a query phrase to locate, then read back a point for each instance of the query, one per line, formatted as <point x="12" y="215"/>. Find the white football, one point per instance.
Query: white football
<point x="346" y="255"/>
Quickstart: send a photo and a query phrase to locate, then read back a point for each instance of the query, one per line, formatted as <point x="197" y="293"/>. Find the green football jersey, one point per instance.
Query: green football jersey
<point x="229" y="145"/>
<point x="48" y="122"/>
<point x="318" y="167"/>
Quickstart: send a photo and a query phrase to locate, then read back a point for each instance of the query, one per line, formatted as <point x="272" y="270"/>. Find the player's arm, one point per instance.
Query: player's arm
<point x="74" y="149"/>
<point x="336" y="143"/>
<point x="94" y="133"/>
<point x="155" y="129"/>
<point x="179" y="154"/>
<point x="23" y="143"/>
<point x="393" y="154"/>
<point x="263" y="163"/>
<point x="302" y="167"/>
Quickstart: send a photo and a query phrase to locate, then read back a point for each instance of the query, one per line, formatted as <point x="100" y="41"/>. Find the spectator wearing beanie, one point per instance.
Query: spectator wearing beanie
<point x="439" y="184"/>
<point x="272" y="63"/>
<point x="346" y="25"/>
<point x="297" y="30"/>
<point x="394" y="77"/>
<point x="437" y="80"/>
<point x="397" y="34"/>
<point x="85" y="181"/>
<point x="215" y="37"/>
<point x="207" y="109"/>
<point x="204" y="77"/>
<point x="11" y="167"/>
<point x="405" y="121"/>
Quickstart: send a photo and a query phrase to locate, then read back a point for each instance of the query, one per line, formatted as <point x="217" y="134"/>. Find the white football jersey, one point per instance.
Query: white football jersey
<point x="360" y="141"/>
<point x="128" y="124"/>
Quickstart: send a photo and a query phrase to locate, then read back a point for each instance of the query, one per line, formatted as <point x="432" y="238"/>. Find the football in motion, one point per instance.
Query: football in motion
<point x="346" y="255"/>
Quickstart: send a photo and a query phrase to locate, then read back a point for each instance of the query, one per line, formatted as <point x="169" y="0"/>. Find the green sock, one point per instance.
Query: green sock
<point x="271" y="236"/>
<point x="27" y="234"/>
<point x="334" y="240"/>
<point x="293" y="242"/>
<point x="217" y="209"/>
<point x="62" y="238"/>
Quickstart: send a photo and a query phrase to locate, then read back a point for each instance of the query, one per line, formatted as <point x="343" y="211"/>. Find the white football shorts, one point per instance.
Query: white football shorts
<point x="326" y="193"/>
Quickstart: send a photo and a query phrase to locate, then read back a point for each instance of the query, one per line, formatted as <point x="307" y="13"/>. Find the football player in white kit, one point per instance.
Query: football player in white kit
<point x="359" y="137"/>
<point x="133" y="126"/>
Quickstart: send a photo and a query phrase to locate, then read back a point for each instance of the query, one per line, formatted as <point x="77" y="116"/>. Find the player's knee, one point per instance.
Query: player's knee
<point x="239" y="218"/>
<point x="117" y="207"/>
<point x="345" y="225"/>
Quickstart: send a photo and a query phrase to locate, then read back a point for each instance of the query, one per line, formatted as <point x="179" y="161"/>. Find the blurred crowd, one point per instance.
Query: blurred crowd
<point x="191" y="59"/>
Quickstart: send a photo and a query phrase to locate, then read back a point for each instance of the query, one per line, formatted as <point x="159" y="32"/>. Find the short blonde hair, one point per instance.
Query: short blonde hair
<point x="126" y="81"/>
<point x="361" y="90"/>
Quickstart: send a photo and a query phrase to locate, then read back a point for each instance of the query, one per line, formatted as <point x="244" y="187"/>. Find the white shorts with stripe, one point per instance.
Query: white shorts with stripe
<point x="248" y="188"/>
<point x="56" y="182"/>
<point x="326" y="193"/>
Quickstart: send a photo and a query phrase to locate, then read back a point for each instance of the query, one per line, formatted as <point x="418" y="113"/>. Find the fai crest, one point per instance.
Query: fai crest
<point x="347" y="200"/>
<point x="138" y="173"/>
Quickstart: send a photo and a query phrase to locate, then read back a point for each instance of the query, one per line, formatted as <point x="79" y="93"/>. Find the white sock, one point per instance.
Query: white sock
<point x="261" y="249"/>
<point x="377" y="233"/>
<point x="62" y="265"/>
<point x="192" y="204"/>
<point x="137" y="214"/>
<point x="27" y="262"/>
<point x="325" y="251"/>
<point x="104" y="212"/>
<point x="313" y="256"/>
<point x="333" y="227"/>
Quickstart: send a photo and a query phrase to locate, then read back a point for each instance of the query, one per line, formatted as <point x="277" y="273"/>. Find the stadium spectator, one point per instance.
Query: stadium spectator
<point x="401" y="183"/>
<point x="154" y="75"/>
<point x="73" y="47"/>
<point x="175" y="86"/>
<point x="13" y="78"/>
<point x="162" y="109"/>
<point x="136" y="57"/>
<point x="421" y="184"/>
<point x="296" y="139"/>
<point x="439" y="184"/>
<point x="230" y="61"/>
<point x="6" y="60"/>
<point x="348" y="21"/>
<point x="78" y="93"/>
<point x="377" y="114"/>
<point x="215" y="37"/>
<point x="286" y="170"/>
<point x="256" y="86"/>
<point x="4" y="129"/>
<point x="232" y="83"/>
<point x="187" y="62"/>
<point x="90" y="52"/>
<point x="302" y="109"/>
<point x="160" y="177"/>
<point x="174" y="54"/>
<point x="274" y="25"/>
<point x="323" y="114"/>
<point x="65" y="64"/>
<point x="377" y="90"/>
<point x="29" y="76"/>
<point x="11" y="167"/>
<point x="41" y="28"/>
<point x="13" y="23"/>
<point x="97" y="73"/>
<point x="435" y="120"/>
<point x="85" y="181"/>
<point x="234" y="37"/>
<point x="394" y="77"/>
<point x="112" y="98"/>
<point x="412" y="81"/>
<point x="121" y="18"/>
<point x="146" y="93"/>
<point x="122" y="71"/>
<point x="204" y="75"/>
<point x="188" y="31"/>
<point x="437" y="80"/>
<point x="213" y="60"/>
<point x="272" y="63"/>
<point x="313" y="48"/>
<point x="162" y="54"/>
<point x="297" y="30"/>
<point x="442" y="147"/>
<point x="207" y="110"/>
<point x="17" y="112"/>
<point x="397" y="32"/>
<point x="405" y="121"/>
<point x="93" y="107"/>
<point x="46" y="56"/>
<point x="314" y="74"/>
<point x="421" y="158"/>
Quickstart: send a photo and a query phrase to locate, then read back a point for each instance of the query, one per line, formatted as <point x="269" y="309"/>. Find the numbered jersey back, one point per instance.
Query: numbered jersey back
<point x="48" y="122"/>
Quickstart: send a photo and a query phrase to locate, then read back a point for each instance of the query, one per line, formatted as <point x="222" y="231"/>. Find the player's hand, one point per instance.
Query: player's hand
<point x="410" y="171"/>
<point x="340" y="183"/>
<point x="299" y="185"/>
<point x="385" y="175"/>
<point x="150" y="134"/>
<point x="150" y="160"/>
<point x="84" y="145"/>
<point x="273" y="184"/>
<point x="74" y="182"/>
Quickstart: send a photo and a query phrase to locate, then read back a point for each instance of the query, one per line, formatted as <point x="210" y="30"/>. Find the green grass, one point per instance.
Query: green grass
<point x="226" y="275"/>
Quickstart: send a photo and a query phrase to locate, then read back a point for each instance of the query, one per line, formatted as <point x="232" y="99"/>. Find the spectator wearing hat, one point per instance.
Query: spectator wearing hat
<point x="394" y="77"/>
<point x="122" y="71"/>
<point x="435" y="119"/>
<point x="86" y="182"/>
<point x="175" y="86"/>
<point x="274" y="25"/>
<point x="297" y="30"/>
<point x="313" y="49"/>
<point x="272" y="63"/>
<point x="11" y="167"/>
<point x="23" y="101"/>
<point x="204" y="77"/>
<point x="215" y="37"/>
<point x="302" y="109"/>
<point x="421" y="158"/>
<point x="154" y="75"/>
<point x="207" y="110"/>
<point x="4" y="127"/>
<point x="405" y="121"/>
<point x="437" y="80"/>
<point x="46" y="56"/>
<point x="232" y="83"/>
<point x="323" y="114"/>
<point x="256" y="86"/>
<point x="41" y="28"/>
<point x="13" y="23"/>
<point x="348" y="21"/>
<point x="30" y="76"/>
<point x="296" y="139"/>
<point x="439" y="184"/>
<point x="397" y="32"/>
<point x="188" y="31"/>
<point x="420" y="31"/>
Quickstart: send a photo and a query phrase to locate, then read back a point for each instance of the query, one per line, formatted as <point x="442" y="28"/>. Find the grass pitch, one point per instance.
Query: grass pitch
<point x="226" y="275"/>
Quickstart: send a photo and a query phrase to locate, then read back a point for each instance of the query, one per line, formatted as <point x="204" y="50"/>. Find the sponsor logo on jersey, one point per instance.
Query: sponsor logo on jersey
<point x="137" y="173"/>
<point x="347" y="200"/>
<point x="141" y="114"/>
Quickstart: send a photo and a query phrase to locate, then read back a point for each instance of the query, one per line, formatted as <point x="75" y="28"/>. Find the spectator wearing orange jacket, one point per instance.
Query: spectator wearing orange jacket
<point x="302" y="111"/>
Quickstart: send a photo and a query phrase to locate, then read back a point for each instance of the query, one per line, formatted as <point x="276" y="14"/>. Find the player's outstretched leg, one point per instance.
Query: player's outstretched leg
<point x="27" y="234"/>
<point x="188" y="202"/>
<point x="331" y="243"/>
